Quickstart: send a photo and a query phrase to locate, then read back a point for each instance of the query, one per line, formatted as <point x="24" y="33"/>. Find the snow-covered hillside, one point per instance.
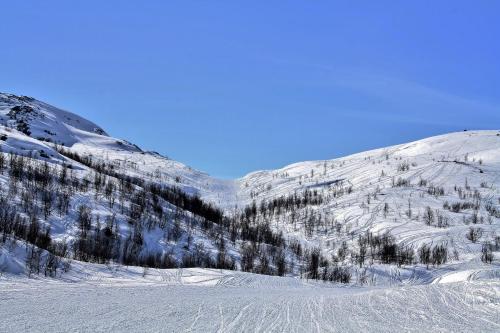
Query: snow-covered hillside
<point x="373" y="213"/>
<point x="43" y="121"/>
<point x="36" y="125"/>
<point x="70" y="191"/>
<point x="432" y="191"/>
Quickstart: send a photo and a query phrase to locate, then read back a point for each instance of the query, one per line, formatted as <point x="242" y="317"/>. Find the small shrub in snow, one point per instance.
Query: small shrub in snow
<point x="474" y="234"/>
<point x="487" y="253"/>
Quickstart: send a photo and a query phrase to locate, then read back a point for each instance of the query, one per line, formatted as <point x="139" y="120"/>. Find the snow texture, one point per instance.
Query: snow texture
<point x="220" y="301"/>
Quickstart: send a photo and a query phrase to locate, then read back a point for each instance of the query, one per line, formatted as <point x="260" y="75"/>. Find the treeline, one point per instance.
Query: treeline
<point x="44" y="190"/>
<point x="173" y="195"/>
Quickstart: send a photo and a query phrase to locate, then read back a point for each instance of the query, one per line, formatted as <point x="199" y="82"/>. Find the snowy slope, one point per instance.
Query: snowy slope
<point x="385" y="190"/>
<point x="44" y="121"/>
<point x="48" y="124"/>
<point x="40" y="132"/>
<point x="460" y="164"/>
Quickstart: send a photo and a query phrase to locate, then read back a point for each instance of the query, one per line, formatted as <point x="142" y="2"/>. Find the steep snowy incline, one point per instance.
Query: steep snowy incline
<point x="42" y="125"/>
<point x="43" y="121"/>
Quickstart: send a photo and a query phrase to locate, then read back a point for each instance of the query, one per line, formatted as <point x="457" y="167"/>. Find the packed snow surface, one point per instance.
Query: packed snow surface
<point x="198" y="300"/>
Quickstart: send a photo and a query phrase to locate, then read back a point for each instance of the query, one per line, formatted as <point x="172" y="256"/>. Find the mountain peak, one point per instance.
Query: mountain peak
<point x="44" y="122"/>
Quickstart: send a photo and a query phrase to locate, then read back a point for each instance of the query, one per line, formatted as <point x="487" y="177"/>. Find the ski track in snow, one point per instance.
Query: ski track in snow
<point x="247" y="303"/>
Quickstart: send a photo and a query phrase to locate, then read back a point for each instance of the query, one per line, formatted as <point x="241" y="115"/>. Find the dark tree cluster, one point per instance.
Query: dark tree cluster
<point x="284" y="204"/>
<point x="436" y="255"/>
<point x="319" y="268"/>
<point x="385" y="249"/>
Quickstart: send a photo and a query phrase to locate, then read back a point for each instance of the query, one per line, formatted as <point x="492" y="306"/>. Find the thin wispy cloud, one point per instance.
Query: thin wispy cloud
<point x="396" y="99"/>
<point x="404" y="98"/>
<point x="413" y="102"/>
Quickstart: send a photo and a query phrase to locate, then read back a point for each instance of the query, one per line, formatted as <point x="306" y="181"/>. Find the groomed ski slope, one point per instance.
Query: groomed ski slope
<point x="197" y="300"/>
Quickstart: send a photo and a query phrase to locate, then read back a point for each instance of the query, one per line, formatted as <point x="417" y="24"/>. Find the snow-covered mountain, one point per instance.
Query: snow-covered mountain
<point x="36" y="126"/>
<point x="390" y="190"/>
<point x="43" y="121"/>
<point x="382" y="215"/>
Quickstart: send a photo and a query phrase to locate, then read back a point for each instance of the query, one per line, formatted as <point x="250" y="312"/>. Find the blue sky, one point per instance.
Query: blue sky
<point x="230" y="87"/>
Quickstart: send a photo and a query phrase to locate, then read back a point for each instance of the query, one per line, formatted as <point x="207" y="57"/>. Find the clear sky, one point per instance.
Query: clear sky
<point x="230" y="87"/>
